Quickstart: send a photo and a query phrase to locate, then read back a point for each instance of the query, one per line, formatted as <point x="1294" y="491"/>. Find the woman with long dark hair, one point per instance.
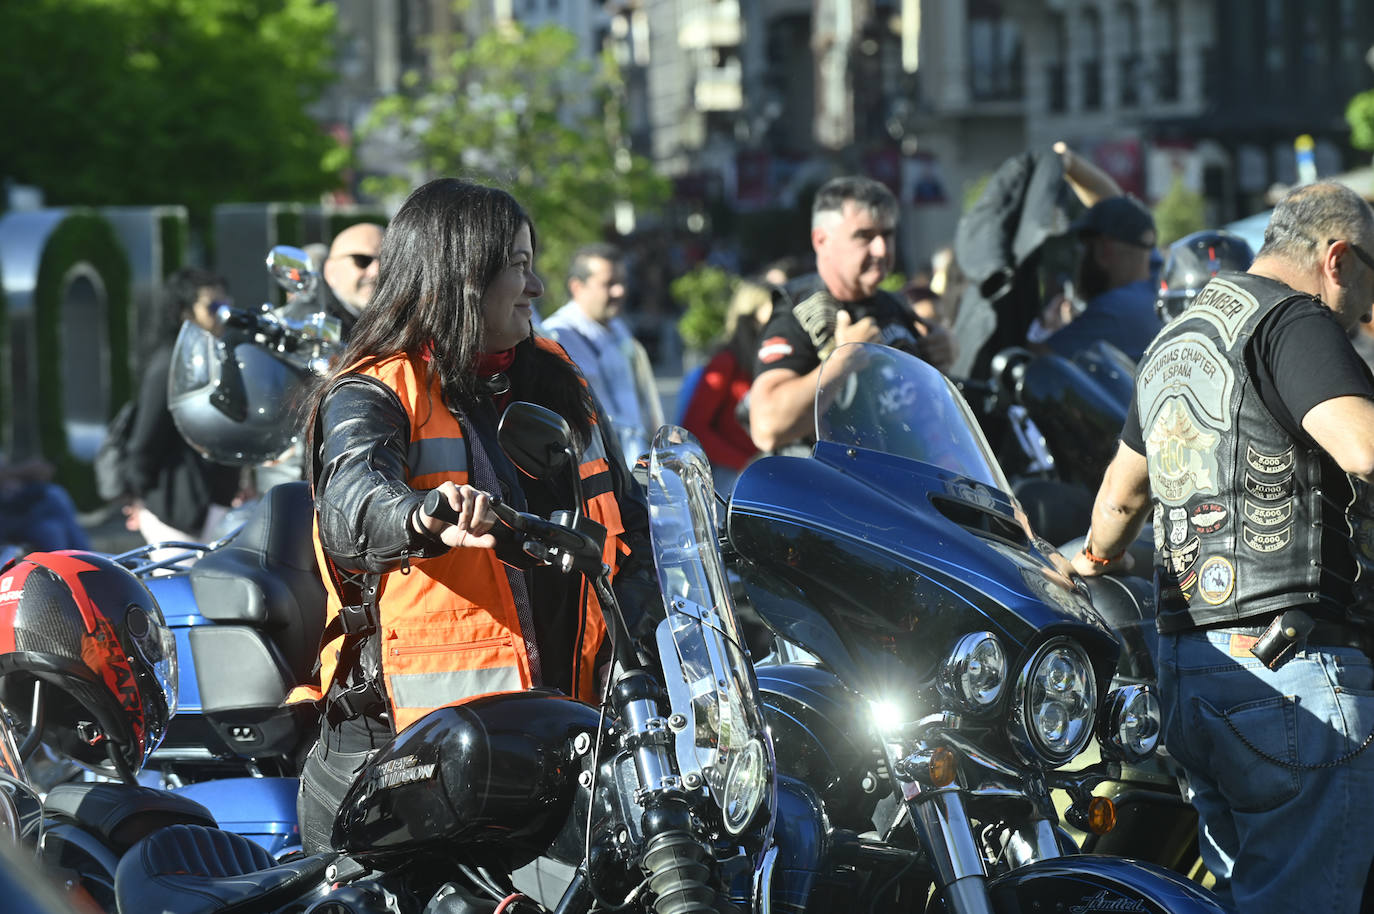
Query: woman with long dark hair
<point x="437" y="612"/>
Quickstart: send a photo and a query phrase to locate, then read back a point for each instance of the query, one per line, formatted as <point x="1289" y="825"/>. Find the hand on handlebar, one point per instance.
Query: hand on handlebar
<point x="458" y="515"/>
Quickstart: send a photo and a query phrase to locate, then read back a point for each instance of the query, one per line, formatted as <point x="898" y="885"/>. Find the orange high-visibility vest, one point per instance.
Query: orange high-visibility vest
<point x="449" y="628"/>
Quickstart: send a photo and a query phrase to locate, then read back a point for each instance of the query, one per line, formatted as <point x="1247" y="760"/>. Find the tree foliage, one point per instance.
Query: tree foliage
<point x="519" y="109"/>
<point x="166" y="101"/>
<point x="1179" y="212"/>
<point x="1360" y="115"/>
<point x="704" y="293"/>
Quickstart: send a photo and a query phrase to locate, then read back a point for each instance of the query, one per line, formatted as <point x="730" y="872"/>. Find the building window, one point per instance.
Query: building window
<point x="1091" y="65"/>
<point x="1166" y="58"/>
<point x="994" y="52"/>
<point x="1056" y="74"/>
<point x="1130" y="65"/>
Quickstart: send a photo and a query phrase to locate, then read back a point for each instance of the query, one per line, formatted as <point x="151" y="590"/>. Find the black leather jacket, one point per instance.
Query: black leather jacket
<point x="365" y="506"/>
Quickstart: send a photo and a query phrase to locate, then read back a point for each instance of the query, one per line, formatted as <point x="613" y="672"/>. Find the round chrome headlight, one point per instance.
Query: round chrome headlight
<point x="1131" y="723"/>
<point x="1056" y="701"/>
<point x="975" y="671"/>
<point x="746" y="782"/>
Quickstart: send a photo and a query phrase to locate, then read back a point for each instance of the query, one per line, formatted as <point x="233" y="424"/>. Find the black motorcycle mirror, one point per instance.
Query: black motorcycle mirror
<point x="292" y="269"/>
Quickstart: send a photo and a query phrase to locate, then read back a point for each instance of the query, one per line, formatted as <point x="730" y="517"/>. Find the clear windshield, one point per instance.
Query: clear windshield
<point x="882" y="399"/>
<point x="721" y="740"/>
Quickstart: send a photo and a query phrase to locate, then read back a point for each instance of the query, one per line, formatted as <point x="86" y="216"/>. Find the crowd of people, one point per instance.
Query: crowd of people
<point x="1253" y="471"/>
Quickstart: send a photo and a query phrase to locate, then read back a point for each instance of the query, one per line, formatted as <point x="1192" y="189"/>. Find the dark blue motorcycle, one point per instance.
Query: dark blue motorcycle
<point x="952" y="675"/>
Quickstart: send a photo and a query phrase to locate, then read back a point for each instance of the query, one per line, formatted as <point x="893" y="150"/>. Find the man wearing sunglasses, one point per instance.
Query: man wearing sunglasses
<point x="350" y="271"/>
<point x="1251" y="437"/>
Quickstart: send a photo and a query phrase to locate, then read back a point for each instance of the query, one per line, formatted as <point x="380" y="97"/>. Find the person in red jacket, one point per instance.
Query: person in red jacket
<point x="713" y="411"/>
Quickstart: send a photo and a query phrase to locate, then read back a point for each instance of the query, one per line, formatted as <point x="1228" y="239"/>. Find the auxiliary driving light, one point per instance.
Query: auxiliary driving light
<point x="1130" y="724"/>
<point x="975" y="671"/>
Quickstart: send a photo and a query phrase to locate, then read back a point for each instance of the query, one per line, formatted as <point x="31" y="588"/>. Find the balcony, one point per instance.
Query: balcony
<point x="712" y="25"/>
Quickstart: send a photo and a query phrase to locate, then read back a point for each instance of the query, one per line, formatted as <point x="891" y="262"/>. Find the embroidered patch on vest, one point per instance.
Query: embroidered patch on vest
<point x="1268" y="463"/>
<point x="1216" y="580"/>
<point x="1267" y="515"/>
<point x="1225" y="306"/>
<point x="1178" y="526"/>
<point x="1209" y="517"/>
<point x="1181" y="456"/>
<point x="817" y="317"/>
<point x="1157" y="527"/>
<point x="774" y="348"/>
<point x="1270" y="491"/>
<point x="1266" y="542"/>
<point x="1178" y="561"/>
<point x="1188" y="367"/>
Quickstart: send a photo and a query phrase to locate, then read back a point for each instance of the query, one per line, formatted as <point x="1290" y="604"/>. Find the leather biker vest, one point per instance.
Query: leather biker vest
<point x="449" y="627"/>
<point x="1248" y="521"/>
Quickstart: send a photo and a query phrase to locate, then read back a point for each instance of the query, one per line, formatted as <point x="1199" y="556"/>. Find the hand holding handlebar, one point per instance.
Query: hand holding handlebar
<point x="459" y="515"/>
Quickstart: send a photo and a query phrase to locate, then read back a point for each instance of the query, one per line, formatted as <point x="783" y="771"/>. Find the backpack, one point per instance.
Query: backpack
<point x="111" y="461"/>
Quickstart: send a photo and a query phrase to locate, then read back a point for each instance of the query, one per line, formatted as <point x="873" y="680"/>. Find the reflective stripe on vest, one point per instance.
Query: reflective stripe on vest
<point x="449" y="627"/>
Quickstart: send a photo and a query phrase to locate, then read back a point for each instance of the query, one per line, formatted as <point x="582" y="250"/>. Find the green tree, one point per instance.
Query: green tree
<point x="166" y="101"/>
<point x="516" y="107"/>
<point x="704" y="292"/>
<point x="1179" y="212"/>
<point x="1360" y="115"/>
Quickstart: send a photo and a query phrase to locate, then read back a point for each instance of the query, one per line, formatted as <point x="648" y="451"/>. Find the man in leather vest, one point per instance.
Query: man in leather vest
<point x="1251" y="438"/>
<point x="854" y="232"/>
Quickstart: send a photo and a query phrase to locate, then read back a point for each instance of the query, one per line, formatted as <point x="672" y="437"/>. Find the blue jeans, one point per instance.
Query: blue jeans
<point x="1284" y="795"/>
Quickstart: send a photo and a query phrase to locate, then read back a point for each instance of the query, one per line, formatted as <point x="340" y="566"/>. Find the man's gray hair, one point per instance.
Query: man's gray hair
<point x="1311" y="215"/>
<point x="580" y="265"/>
<point x="872" y="196"/>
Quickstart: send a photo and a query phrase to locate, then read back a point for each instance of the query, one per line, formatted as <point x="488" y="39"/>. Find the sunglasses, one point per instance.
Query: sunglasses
<point x="1359" y="252"/>
<point x="361" y="261"/>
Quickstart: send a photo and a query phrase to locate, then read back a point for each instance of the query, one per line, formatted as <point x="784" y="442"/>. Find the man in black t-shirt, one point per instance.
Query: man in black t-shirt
<point x="853" y="232"/>
<point x="1251" y="437"/>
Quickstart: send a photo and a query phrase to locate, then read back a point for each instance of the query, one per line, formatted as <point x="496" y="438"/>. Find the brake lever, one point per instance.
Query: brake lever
<point x="548" y="533"/>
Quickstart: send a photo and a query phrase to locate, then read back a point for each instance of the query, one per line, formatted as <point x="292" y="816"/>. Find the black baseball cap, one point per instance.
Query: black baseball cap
<point x="1122" y="218"/>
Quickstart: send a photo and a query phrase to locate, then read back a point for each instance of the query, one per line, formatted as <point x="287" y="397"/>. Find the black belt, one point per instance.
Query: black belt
<point x="1325" y="633"/>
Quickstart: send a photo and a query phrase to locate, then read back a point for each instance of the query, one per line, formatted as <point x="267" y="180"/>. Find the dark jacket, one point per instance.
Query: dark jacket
<point x="997" y="245"/>
<point x="168" y="475"/>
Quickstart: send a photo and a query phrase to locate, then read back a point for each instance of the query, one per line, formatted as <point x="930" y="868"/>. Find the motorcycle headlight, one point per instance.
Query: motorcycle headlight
<point x="975" y="671"/>
<point x="746" y="782"/>
<point x="1056" y="698"/>
<point x="1130" y="725"/>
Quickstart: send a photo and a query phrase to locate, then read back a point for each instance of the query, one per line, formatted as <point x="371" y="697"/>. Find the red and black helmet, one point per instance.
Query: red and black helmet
<point x="87" y="627"/>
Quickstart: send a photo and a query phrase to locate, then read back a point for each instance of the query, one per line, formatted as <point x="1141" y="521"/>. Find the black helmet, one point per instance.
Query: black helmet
<point x="1193" y="260"/>
<point x="89" y="630"/>
<point x="234" y="400"/>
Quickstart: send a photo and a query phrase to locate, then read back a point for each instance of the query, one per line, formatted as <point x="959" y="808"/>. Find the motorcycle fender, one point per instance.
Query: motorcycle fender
<point x="1092" y="884"/>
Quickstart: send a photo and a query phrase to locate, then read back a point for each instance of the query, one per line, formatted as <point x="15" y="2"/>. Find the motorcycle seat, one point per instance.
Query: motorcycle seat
<point x="266" y="578"/>
<point x="122" y="814"/>
<point x="191" y="869"/>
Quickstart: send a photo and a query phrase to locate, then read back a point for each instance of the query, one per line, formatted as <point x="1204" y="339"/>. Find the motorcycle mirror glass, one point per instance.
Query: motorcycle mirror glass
<point x="291" y="268"/>
<point x="537" y="440"/>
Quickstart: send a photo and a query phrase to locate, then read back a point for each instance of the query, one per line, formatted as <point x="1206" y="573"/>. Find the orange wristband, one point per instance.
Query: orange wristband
<point x="1097" y="559"/>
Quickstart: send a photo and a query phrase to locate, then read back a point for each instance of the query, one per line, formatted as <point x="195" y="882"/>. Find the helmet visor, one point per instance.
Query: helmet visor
<point x="157" y="647"/>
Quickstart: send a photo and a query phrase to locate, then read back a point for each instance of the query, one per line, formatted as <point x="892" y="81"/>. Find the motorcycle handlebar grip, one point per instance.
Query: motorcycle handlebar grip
<point x="437" y="506"/>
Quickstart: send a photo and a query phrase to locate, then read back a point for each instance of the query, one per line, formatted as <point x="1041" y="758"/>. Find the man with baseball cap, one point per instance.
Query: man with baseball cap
<point x="1116" y="236"/>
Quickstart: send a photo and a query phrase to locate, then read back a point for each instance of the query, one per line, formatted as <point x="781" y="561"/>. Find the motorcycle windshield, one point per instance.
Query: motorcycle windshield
<point x="882" y="399"/>
<point x="718" y="727"/>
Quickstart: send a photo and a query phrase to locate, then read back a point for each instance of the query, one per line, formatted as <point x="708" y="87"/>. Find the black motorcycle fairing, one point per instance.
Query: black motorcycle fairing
<point x="498" y="769"/>
<point x="1089" y="882"/>
<point x="821" y="542"/>
<point x="1080" y="418"/>
<point x="821" y="738"/>
<point x="1110" y="367"/>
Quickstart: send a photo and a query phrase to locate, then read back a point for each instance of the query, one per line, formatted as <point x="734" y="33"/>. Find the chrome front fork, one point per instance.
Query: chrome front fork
<point x="942" y="824"/>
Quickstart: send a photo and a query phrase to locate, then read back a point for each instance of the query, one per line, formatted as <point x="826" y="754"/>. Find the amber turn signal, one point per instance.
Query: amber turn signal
<point x="1101" y="815"/>
<point x="943" y="767"/>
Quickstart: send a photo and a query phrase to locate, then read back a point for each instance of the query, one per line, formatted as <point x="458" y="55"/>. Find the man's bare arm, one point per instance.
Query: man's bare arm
<point x="1119" y="510"/>
<point x="780" y="407"/>
<point x="1344" y="428"/>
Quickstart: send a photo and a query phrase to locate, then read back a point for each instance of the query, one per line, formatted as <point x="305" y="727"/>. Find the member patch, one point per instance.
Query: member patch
<point x="1225" y="306"/>
<point x="1267" y="515"/>
<point x="774" y="348"/>
<point x="1178" y="561"/>
<point x="1268" y="463"/>
<point x="1216" y="579"/>
<point x="1178" y="526"/>
<point x="1269" y="541"/>
<point x="1181" y="456"/>
<point x="1157" y="528"/>
<point x="1269" y="491"/>
<point x="1209" y="517"/>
